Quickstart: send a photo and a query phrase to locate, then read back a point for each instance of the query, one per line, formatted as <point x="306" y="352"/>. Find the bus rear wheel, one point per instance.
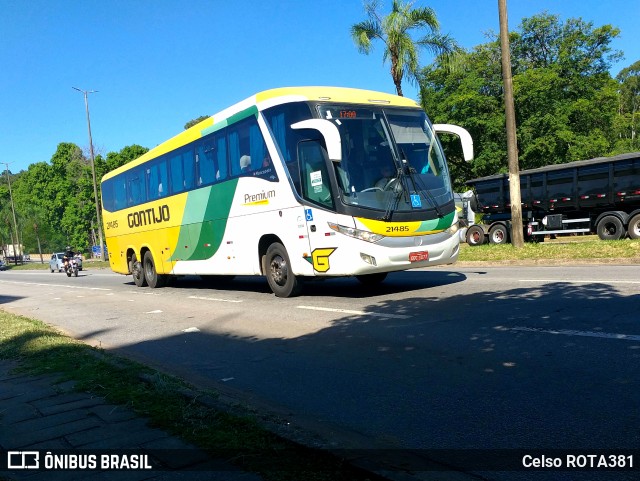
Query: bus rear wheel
<point x="138" y="272"/>
<point x="281" y="280"/>
<point x="150" y="274"/>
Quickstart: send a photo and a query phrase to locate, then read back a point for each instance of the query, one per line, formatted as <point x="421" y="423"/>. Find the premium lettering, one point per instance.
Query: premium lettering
<point x="260" y="196"/>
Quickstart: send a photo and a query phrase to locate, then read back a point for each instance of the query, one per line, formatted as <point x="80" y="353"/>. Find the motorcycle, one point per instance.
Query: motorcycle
<point x="71" y="268"/>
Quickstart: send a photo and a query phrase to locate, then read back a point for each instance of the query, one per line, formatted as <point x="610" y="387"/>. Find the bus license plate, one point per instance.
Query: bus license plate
<point x="418" y="256"/>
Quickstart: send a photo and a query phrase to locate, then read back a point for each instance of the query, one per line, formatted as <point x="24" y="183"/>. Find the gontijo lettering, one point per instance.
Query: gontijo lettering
<point x="149" y="216"/>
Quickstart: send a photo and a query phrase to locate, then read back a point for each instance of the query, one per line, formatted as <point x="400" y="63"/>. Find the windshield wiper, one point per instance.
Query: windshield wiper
<point x="397" y="191"/>
<point x="423" y="188"/>
<point x="405" y="173"/>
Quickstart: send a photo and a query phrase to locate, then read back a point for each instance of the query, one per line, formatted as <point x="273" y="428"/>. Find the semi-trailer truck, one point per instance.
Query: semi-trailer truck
<point x="600" y="195"/>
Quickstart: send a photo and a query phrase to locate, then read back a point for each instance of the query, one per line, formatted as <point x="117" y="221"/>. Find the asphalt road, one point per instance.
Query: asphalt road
<point x="535" y="358"/>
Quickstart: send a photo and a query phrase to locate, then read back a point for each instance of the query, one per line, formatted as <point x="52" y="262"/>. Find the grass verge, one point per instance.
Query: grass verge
<point x="562" y="250"/>
<point x="160" y="398"/>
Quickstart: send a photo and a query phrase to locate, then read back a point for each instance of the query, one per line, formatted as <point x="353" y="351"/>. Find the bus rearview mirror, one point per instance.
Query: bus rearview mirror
<point x="330" y="133"/>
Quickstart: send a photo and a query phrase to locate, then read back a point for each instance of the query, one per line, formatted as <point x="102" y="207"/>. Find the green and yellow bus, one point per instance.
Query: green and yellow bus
<point x="291" y="183"/>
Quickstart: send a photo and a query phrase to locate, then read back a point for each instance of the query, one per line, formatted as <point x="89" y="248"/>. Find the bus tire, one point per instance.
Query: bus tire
<point x="498" y="234"/>
<point x="610" y="228"/>
<point x="475" y="235"/>
<point x="137" y="271"/>
<point x="154" y="280"/>
<point x="281" y="280"/>
<point x="372" y="279"/>
<point x="634" y="227"/>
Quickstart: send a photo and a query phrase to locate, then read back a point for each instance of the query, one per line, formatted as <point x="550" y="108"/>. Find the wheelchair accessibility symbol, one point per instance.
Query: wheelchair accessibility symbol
<point x="309" y="214"/>
<point x="415" y="201"/>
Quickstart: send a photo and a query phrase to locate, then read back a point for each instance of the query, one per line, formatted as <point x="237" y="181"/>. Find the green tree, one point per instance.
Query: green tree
<point x="193" y="122"/>
<point x="55" y="202"/>
<point x="394" y="31"/>
<point x="565" y="99"/>
<point x="126" y="155"/>
<point x="629" y="106"/>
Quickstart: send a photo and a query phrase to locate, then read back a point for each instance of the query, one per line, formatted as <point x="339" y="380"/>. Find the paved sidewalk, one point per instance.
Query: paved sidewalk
<point x="37" y="413"/>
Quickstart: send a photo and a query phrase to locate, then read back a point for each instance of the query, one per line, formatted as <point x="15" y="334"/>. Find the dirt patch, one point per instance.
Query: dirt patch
<point x="551" y="262"/>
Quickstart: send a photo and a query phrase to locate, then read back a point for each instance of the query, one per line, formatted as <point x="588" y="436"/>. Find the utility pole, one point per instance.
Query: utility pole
<point x="517" y="234"/>
<point x="35" y="228"/>
<point x="93" y="171"/>
<point x="15" y="223"/>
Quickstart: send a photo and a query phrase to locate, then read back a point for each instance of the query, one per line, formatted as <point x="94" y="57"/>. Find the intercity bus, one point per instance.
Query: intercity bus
<point x="291" y="184"/>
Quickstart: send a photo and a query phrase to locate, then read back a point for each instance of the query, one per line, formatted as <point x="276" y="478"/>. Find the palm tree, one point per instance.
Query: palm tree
<point x="394" y="31"/>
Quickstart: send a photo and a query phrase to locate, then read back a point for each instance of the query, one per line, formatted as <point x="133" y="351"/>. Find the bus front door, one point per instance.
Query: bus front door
<point x="322" y="241"/>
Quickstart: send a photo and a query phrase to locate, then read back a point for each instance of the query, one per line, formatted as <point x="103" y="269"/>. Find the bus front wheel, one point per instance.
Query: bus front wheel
<point x="281" y="280"/>
<point x="138" y="272"/>
<point x="151" y="275"/>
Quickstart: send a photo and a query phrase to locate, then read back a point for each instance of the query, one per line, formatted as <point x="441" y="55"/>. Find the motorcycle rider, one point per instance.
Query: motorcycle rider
<point x="68" y="255"/>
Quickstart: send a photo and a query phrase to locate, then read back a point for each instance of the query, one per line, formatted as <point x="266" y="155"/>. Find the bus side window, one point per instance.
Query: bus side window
<point x="136" y="189"/>
<point x="234" y="151"/>
<point x="222" y="170"/>
<point x="177" y="175"/>
<point x="189" y="169"/>
<point x="182" y="165"/>
<point x="246" y="147"/>
<point x="163" y="186"/>
<point x="315" y="178"/>
<point x="279" y="119"/>
<point x="119" y="192"/>
<point x="157" y="180"/>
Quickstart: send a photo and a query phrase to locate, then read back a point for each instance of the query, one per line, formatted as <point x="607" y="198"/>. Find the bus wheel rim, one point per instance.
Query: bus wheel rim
<point x="279" y="270"/>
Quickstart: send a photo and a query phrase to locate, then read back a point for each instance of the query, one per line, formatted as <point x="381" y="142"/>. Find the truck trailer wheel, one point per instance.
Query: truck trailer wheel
<point x="610" y="228"/>
<point x="498" y="234"/>
<point x="475" y="235"/>
<point x="634" y="227"/>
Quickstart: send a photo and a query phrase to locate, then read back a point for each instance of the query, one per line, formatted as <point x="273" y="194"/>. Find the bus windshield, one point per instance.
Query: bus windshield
<point x="391" y="159"/>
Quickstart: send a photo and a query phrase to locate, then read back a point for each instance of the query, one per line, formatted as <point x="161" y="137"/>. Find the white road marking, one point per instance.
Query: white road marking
<point x="56" y="285"/>
<point x="157" y="311"/>
<point x="569" y="332"/>
<point x="213" y="299"/>
<point x="594" y="281"/>
<point x="191" y="329"/>
<point x="356" y="313"/>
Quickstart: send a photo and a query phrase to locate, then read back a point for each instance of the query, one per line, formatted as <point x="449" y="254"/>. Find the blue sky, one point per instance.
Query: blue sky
<point x="158" y="64"/>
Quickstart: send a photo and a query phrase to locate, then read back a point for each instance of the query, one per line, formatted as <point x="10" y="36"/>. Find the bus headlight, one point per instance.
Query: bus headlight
<point x="356" y="233"/>
<point x="453" y="229"/>
<point x="454" y="226"/>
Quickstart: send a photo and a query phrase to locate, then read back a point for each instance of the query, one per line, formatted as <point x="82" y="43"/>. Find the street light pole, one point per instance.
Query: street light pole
<point x="93" y="169"/>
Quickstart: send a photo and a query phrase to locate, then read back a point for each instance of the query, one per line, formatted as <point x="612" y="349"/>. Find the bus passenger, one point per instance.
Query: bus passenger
<point x="245" y="164"/>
